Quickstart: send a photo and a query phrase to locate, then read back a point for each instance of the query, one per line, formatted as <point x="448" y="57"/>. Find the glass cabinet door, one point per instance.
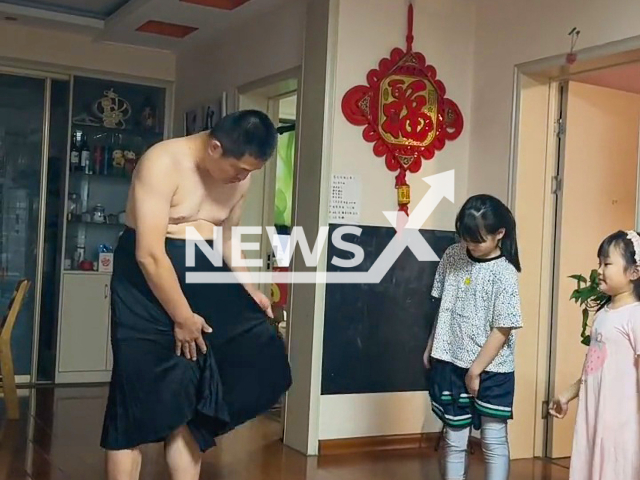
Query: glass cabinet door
<point x="22" y="109"/>
<point x="113" y="125"/>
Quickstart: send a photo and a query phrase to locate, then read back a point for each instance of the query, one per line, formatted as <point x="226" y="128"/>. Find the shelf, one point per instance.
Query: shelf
<point x="114" y="178"/>
<point x="101" y="224"/>
<point x="121" y="131"/>
<point x="85" y="272"/>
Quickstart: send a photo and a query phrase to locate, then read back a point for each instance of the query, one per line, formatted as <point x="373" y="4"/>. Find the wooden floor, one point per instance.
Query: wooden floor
<point x="58" y="434"/>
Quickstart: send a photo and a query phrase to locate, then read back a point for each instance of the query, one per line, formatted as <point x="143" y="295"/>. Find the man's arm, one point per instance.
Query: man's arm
<point x="229" y="244"/>
<point x="154" y="187"/>
<point x="153" y="190"/>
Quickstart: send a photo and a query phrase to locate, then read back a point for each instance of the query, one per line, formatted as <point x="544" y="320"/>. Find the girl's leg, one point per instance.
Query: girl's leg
<point x="456" y="441"/>
<point x="183" y="455"/>
<point x="495" y="445"/>
<point x="124" y="464"/>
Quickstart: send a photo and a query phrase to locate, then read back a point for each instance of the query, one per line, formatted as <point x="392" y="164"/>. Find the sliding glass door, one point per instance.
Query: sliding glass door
<point x="22" y="113"/>
<point x="25" y="126"/>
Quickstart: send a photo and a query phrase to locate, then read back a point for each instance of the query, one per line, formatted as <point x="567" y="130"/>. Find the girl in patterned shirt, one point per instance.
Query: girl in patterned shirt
<point x="470" y="352"/>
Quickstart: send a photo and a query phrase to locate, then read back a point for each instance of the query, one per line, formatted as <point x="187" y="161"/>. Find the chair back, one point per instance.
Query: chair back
<point x="8" y="321"/>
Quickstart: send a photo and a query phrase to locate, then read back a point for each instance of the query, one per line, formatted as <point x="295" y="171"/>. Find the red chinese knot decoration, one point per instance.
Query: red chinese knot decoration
<point x="405" y="112"/>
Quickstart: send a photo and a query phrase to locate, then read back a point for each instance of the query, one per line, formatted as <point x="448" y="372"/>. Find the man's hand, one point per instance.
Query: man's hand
<point x="188" y="334"/>
<point x="262" y="300"/>
<point x="559" y="407"/>
<point x="472" y="381"/>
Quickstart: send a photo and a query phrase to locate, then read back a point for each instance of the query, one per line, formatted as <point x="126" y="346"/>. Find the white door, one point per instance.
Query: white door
<point x="84" y="328"/>
<point x="598" y="197"/>
<point x="259" y="203"/>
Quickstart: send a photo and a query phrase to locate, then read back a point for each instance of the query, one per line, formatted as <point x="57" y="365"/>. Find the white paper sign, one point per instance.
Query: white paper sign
<point x="344" y="205"/>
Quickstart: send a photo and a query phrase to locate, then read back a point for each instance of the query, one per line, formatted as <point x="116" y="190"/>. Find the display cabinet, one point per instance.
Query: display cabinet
<point x="112" y="125"/>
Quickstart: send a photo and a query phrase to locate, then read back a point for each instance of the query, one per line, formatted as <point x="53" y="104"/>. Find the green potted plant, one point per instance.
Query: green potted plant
<point x="587" y="294"/>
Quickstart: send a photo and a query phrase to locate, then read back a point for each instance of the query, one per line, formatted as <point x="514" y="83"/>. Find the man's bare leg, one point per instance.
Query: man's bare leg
<point x="124" y="464"/>
<point x="183" y="455"/>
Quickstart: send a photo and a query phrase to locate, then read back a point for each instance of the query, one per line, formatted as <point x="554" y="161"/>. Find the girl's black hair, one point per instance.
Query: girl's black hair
<point x="620" y="241"/>
<point x="485" y="215"/>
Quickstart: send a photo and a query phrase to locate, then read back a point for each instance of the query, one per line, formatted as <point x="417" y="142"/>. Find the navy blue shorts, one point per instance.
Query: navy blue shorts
<point x="455" y="407"/>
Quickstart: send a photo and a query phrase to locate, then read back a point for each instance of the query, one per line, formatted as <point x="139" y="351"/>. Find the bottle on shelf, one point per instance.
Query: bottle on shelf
<point x="98" y="159"/>
<point x="74" y="157"/>
<point x="108" y="153"/>
<point x="85" y="156"/>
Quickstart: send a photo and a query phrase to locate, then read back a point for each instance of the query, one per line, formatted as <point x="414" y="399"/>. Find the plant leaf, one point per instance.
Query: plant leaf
<point x="586" y="340"/>
<point x="579" y="278"/>
<point x="585" y="321"/>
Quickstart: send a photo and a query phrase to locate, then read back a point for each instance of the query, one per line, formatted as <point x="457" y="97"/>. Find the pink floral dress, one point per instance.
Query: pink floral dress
<point x="606" y="444"/>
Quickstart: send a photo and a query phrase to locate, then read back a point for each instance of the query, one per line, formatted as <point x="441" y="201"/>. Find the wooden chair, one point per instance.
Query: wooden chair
<point x="7" y="377"/>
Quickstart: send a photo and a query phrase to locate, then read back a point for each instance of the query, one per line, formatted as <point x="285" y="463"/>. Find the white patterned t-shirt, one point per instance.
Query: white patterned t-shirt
<point x="476" y="296"/>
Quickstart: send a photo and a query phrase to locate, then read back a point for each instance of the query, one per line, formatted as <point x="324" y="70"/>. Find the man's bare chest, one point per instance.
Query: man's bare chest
<point x="212" y="205"/>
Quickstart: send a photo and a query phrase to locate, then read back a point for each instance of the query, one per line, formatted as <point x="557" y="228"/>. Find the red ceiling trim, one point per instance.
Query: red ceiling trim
<point x="166" y="29"/>
<point x="219" y="4"/>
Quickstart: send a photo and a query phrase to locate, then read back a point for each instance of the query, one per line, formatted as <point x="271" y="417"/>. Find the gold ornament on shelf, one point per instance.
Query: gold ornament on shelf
<point x="113" y="110"/>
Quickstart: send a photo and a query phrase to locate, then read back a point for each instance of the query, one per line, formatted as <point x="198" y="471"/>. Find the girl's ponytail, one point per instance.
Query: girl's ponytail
<point x="509" y="244"/>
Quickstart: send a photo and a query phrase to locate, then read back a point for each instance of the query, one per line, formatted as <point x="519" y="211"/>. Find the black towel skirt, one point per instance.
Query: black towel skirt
<point x="153" y="392"/>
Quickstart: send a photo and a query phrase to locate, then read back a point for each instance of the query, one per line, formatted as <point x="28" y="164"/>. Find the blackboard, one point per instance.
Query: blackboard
<point x="375" y="334"/>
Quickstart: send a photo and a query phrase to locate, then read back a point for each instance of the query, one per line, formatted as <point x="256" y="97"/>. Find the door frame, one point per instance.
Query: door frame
<point x="265" y="94"/>
<point x="548" y="73"/>
<point x="560" y="97"/>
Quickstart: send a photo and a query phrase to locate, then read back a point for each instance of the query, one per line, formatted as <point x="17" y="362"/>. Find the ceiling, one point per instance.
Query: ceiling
<point x="170" y="25"/>
<point x="622" y="77"/>
<point x="100" y="9"/>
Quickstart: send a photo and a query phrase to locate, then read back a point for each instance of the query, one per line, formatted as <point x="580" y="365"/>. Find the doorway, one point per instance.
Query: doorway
<point x="595" y="185"/>
<point x="575" y="128"/>
<point x="271" y="199"/>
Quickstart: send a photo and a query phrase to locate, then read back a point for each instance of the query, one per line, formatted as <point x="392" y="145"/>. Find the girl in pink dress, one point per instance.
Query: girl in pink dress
<point x="606" y="444"/>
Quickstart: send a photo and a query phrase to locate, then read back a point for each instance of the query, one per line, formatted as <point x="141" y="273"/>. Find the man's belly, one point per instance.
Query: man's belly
<point x="181" y="230"/>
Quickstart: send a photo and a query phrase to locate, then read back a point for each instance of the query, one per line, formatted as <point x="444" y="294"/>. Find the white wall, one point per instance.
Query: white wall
<point x="444" y="31"/>
<point x="55" y="48"/>
<point x="264" y="46"/>
<point x="510" y="32"/>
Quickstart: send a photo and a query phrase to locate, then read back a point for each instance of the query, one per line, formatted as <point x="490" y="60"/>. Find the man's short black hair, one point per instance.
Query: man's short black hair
<point x="247" y="132"/>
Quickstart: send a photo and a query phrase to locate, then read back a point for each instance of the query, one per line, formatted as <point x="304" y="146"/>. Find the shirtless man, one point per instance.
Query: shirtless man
<point x="197" y="181"/>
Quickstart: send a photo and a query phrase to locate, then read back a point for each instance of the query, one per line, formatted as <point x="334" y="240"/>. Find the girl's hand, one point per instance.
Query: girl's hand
<point x="426" y="358"/>
<point x="558" y="407"/>
<point x="472" y="381"/>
